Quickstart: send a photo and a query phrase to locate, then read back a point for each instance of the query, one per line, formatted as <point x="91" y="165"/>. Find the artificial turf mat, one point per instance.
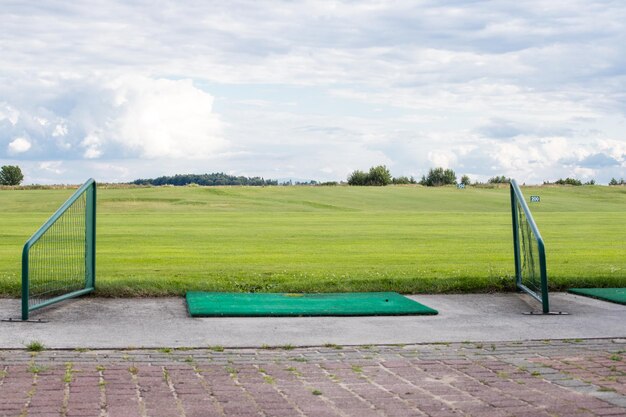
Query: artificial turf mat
<point x="220" y="304"/>
<point x="615" y="295"/>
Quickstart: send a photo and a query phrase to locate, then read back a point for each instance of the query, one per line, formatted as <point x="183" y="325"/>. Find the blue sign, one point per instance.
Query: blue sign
<point x="535" y="199"/>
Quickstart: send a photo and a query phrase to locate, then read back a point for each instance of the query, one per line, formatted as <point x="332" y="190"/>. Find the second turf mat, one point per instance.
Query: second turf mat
<point x="615" y="295"/>
<point x="219" y="304"/>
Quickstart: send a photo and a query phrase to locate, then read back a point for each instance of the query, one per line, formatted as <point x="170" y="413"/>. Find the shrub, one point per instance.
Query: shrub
<point x="379" y="175"/>
<point x="438" y="176"/>
<point x="465" y="180"/>
<point x="357" y="178"/>
<point x="403" y="180"/>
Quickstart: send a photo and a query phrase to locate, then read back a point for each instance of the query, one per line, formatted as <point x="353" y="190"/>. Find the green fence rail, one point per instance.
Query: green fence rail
<point x="530" y="256"/>
<point x="59" y="260"/>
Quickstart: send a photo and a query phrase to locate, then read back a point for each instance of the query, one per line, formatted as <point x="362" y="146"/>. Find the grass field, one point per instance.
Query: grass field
<point x="165" y="241"/>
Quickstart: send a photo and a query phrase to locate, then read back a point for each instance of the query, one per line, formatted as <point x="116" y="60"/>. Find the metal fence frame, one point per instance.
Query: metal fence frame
<point x="89" y="187"/>
<point x="517" y="200"/>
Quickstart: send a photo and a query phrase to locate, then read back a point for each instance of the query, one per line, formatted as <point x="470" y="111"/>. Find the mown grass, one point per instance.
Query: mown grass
<point x="165" y="241"/>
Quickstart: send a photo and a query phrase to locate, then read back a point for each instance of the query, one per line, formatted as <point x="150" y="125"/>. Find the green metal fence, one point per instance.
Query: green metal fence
<point x="59" y="260"/>
<point x="530" y="256"/>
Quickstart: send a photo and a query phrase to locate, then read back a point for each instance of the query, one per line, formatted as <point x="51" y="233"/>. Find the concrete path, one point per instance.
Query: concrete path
<point x="501" y="379"/>
<point x="90" y="322"/>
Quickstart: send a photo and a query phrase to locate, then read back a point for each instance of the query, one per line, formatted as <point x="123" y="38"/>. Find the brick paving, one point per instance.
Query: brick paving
<point x="539" y="378"/>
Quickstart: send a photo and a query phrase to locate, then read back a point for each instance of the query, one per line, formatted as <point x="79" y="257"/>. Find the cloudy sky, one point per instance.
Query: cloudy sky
<point x="120" y="90"/>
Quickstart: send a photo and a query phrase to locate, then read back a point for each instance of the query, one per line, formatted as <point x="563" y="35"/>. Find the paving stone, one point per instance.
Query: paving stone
<point x="511" y="378"/>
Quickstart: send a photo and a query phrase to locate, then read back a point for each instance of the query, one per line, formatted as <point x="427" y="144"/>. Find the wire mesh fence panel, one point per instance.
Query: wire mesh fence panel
<point x="58" y="261"/>
<point x="530" y="259"/>
<point x="529" y="250"/>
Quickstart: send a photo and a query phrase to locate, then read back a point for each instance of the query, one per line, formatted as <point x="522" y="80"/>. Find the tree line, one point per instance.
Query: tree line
<point x="216" y="178"/>
<point x="436" y="177"/>
<point x="376" y="176"/>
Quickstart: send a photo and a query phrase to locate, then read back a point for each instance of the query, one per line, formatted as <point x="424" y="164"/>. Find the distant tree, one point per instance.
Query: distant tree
<point x="438" y="176"/>
<point x="357" y="178"/>
<point x="379" y="175"/>
<point x="568" y="181"/>
<point x="499" y="180"/>
<point x="465" y="180"/>
<point x="616" y="182"/>
<point x="591" y="182"/>
<point x="11" y="175"/>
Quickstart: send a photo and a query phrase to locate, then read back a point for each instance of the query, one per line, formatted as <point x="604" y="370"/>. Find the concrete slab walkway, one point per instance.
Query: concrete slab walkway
<point x="90" y="322"/>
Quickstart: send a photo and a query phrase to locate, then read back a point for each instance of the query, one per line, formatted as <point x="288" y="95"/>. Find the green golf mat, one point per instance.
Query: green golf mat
<point x="220" y="304"/>
<point x="615" y="295"/>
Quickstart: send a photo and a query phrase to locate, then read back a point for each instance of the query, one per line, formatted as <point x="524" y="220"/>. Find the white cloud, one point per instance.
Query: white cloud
<point x="121" y="116"/>
<point x="584" y="173"/>
<point x="164" y="118"/>
<point x="443" y="158"/>
<point x="41" y="120"/>
<point x="54" y="167"/>
<point x="92" y="144"/>
<point x="59" y="130"/>
<point x="19" y="145"/>
<point x="9" y="113"/>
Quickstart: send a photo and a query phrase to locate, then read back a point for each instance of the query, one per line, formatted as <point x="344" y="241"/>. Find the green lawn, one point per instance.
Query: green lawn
<point x="165" y="241"/>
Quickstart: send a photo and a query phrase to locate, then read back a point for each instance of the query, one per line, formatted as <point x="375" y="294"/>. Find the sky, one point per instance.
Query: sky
<point x="313" y="90"/>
